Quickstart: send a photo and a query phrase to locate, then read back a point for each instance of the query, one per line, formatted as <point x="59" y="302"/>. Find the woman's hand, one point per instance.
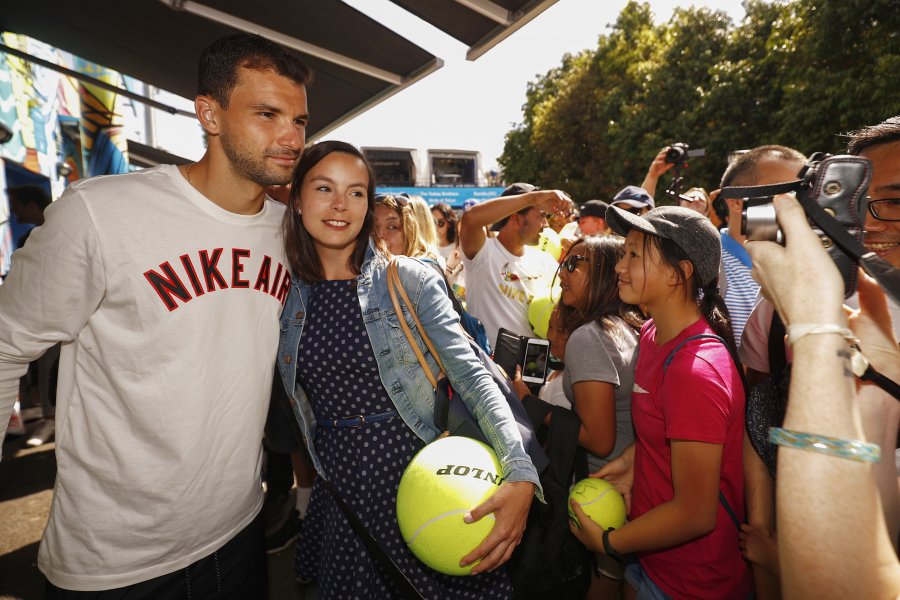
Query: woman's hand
<point x="759" y="548"/>
<point x="518" y="385"/>
<point x="620" y="473"/>
<point x="510" y="505"/>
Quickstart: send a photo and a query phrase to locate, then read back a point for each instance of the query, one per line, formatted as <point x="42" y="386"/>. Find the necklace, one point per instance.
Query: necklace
<point x="187" y="173"/>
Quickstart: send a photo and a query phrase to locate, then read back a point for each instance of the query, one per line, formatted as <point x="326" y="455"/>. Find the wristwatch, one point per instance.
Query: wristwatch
<point x="608" y="548"/>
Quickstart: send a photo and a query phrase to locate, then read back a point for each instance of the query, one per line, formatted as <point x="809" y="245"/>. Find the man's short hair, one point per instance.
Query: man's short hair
<point x="514" y="190"/>
<point x="742" y="170"/>
<point x="30" y="194"/>
<point x="219" y="66"/>
<point x="874" y="135"/>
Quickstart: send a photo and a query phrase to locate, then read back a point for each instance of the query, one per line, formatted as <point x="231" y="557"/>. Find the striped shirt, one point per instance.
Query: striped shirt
<point x="741" y="290"/>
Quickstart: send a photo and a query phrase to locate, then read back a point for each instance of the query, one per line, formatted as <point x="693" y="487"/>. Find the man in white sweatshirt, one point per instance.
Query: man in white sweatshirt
<point x="165" y="288"/>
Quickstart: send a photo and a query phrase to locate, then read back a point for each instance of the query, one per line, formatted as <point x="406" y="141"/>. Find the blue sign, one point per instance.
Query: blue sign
<point x="454" y="196"/>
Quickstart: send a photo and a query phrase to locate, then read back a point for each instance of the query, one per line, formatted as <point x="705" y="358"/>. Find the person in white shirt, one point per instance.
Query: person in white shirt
<point x="165" y="288"/>
<point x="504" y="273"/>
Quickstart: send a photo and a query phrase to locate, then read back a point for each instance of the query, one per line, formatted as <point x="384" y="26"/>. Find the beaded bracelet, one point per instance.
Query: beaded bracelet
<point x="799" y="330"/>
<point x="850" y="449"/>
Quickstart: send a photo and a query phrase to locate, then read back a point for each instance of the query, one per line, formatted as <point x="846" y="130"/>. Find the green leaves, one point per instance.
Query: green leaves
<point x="795" y="73"/>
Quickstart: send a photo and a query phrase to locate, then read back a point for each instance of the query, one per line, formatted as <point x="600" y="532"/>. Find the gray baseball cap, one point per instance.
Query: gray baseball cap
<point x="690" y="230"/>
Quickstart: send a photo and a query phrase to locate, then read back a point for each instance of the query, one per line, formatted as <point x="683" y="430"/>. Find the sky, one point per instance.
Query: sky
<point x="466" y="105"/>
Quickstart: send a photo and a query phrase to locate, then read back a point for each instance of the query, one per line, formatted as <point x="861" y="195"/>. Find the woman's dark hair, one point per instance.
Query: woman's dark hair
<point x="710" y="301"/>
<point x="602" y="302"/>
<point x="299" y="247"/>
<point x="450" y="216"/>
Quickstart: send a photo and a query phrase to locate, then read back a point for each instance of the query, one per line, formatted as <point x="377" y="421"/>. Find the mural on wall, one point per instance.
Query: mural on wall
<point x="102" y="133"/>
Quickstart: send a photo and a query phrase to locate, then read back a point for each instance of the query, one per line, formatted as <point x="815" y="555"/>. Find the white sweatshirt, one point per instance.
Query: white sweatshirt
<point x="167" y="307"/>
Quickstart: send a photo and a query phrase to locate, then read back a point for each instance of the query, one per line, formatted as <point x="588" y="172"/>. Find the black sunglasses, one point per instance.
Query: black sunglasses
<point x="571" y="262"/>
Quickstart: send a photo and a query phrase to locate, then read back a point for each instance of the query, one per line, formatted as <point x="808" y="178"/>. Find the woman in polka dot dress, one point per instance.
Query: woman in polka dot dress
<point x="364" y="404"/>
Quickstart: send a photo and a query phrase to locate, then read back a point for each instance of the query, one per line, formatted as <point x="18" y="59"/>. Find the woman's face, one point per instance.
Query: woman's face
<point x="574" y="284"/>
<point x="389" y="228"/>
<point x="334" y="201"/>
<point x="644" y="278"/>
<point x="441" y="224"/>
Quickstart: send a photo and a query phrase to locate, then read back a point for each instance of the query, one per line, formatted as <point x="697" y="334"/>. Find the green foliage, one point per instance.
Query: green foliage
<point x="797" y="73"/>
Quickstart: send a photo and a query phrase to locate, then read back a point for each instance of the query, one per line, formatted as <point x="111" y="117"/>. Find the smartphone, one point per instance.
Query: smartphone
<point x="535" y="361"/>
<point x="509" y="350"/>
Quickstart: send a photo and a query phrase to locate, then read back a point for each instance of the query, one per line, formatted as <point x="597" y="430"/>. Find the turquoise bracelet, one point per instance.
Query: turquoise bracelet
<point x="850" y="449"/>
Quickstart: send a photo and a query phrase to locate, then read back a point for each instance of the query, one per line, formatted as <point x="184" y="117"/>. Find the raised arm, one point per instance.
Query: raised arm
<point x="831" y="543"/>
<point x="657" y="168"/>
<point x="472" y="225"/>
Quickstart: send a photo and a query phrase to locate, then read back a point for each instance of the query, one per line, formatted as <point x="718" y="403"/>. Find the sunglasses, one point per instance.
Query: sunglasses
<point x="401" y="199"/>
<point x="571" y="262"/>
<point x="885" y="210"/>
<point x="440" y="222"/>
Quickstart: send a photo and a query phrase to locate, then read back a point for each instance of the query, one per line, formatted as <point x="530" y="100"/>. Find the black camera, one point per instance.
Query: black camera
<point x="832" y="191"/>
<point x="679" y="152"/>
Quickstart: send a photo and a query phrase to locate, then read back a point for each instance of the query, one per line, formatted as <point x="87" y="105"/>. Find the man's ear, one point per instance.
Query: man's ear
<point x="207" y="110"/>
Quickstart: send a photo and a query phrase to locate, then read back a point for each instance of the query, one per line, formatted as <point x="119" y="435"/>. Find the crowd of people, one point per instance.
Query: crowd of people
<point x="179" y="290"/>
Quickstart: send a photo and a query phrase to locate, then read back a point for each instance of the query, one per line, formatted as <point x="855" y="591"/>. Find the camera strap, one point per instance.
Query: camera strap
<point x="883" y="272"/>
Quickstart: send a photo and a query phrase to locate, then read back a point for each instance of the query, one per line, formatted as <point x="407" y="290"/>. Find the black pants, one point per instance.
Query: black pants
<point x="236" y="571"/>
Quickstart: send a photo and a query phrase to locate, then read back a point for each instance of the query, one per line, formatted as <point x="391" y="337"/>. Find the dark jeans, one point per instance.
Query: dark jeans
<point x="237" y="570"/>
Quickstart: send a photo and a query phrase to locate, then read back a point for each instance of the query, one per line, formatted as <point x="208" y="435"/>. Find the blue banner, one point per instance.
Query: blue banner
<point x="454" y="196"/>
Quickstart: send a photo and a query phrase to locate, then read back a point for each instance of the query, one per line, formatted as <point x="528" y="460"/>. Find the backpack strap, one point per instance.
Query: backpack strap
<point x="722" y="498"/>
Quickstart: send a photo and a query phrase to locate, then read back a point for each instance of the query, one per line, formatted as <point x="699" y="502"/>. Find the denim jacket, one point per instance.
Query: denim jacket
<point x="400" y="371"/>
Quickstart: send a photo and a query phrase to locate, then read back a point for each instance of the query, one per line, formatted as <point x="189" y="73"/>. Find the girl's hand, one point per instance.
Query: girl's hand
<point x="518" y="385"/>
<point x="759" y="548"/>
<point x="620" y="473"/>
<point x="510" y="505"/>
<point x="589" y="534"/>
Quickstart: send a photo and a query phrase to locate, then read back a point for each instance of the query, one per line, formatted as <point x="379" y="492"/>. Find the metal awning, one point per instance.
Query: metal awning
<point x="357" y="61"/>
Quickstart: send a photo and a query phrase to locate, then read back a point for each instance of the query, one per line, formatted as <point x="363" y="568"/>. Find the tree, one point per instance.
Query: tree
<point x="792" y="72"/>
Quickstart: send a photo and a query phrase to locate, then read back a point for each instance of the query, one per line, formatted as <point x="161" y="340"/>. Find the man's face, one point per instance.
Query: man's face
<point x="531" y="224"/>
<point x="591" y="225"/>
<point x="883" y="237"/>
<point x="263" y="130"/>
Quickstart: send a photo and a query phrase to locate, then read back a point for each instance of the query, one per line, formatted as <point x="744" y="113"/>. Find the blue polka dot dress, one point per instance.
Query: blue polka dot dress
<point x="337" y="369"/>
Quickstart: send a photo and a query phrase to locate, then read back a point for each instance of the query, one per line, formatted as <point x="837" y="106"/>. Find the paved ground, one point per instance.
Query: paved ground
<point x="26" y="487"/>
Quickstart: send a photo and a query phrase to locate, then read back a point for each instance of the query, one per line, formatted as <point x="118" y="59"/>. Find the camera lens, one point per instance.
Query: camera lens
<point x="758" y="222"/>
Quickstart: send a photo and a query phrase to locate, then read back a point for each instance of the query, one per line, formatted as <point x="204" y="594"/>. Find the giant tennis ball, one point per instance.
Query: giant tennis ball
<point x="444" y="481"/>
<point x="539" y="310"/>
<point x="600" y="501"/>
<point x="550" y="243"/>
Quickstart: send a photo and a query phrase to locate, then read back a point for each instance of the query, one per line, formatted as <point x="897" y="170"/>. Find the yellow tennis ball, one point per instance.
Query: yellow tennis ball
<point x="539" y="310"/>
<point x="600" y="501"/>
<point x="444" y="481"/>
<point x="550" y="243"/>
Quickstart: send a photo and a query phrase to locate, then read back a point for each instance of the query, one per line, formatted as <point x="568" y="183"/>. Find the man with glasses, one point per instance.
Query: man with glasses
<point x="505" y="272"/>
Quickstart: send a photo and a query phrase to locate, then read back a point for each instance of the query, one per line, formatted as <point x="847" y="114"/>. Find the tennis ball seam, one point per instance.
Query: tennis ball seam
<point x="435" y="518"/>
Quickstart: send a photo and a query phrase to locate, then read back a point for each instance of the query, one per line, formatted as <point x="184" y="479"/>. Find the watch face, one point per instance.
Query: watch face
<point x="859" y="364"/>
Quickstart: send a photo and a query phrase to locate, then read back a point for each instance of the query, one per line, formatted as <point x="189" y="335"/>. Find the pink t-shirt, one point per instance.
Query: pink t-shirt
<point x="698" y="398"/>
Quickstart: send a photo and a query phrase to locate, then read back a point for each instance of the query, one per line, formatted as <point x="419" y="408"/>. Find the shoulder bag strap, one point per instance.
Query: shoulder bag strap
<point x="722" y="499"/>
<point x="407" y="589"/>
<point x="395" y="286"/>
